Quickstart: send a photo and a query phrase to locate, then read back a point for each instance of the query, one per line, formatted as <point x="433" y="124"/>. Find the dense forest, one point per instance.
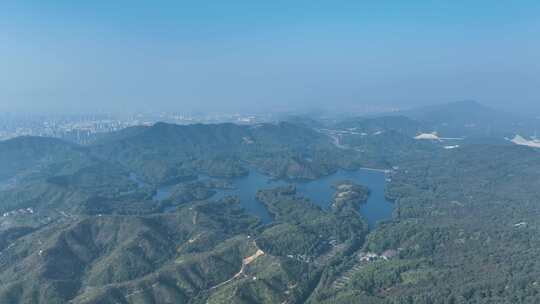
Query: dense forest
<point x="82" y="224"/>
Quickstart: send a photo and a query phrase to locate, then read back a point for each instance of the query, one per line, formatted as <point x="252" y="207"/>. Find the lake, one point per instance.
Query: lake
<point x="319" y="191"/>
<point x="377" y="207"/>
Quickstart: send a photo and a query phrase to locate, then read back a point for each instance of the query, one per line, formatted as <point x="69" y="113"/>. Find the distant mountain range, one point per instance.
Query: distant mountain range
<point x="82" y="224"/>
<point x="470" y="118"/>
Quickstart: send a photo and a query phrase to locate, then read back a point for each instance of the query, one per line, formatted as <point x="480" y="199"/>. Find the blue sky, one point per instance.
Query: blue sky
<point x="264" y="55"/>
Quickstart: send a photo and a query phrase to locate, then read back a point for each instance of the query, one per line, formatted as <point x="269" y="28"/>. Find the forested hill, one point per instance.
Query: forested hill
<point x="26" y="156"/>
<point x="87" y="225"/>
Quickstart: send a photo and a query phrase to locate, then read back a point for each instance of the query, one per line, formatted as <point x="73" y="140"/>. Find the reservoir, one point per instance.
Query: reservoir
<point x="377" y="207"/>
<point x="319" y="191"/>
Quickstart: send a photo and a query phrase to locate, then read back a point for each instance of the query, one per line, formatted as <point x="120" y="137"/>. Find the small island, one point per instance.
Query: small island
<point x="349" y="194"/>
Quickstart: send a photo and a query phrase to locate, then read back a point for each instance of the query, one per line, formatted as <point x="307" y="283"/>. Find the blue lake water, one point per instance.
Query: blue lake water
<point x="319" y="191"/>
<point x="163" y="193"/>
<point x="246" y="188"/>
<point x="377" y="207"/>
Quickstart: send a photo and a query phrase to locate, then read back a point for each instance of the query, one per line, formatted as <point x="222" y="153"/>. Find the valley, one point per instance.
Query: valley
<point x="270" y="213"/>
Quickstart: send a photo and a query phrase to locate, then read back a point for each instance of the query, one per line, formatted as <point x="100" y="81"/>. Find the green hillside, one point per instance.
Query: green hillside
<point x="87" y="224"/>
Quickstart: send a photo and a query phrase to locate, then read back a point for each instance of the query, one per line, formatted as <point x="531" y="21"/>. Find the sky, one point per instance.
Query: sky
<point x="161" y="55"/>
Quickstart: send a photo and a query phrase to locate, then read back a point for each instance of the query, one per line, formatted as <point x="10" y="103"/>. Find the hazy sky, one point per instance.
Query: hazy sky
<point x="65" y="55"/>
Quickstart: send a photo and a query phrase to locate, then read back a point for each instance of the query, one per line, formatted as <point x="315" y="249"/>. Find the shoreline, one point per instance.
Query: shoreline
<point x="385" y="171"/>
